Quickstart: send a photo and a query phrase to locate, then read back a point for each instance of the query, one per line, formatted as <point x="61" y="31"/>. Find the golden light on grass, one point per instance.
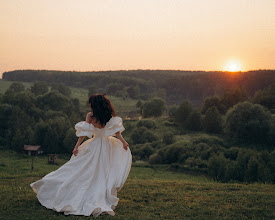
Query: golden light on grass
<point x="233" y="66"/>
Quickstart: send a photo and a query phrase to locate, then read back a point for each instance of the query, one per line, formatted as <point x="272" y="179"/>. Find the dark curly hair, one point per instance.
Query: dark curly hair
<point x="103" y="110"/>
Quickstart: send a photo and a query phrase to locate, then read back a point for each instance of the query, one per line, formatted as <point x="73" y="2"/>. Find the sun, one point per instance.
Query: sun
<point x="233" y="66"/>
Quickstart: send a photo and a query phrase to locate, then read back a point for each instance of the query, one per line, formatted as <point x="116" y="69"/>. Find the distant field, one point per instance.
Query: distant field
<point x="4" y="85"/>
<point x="122" y="106"/>
<point x="149" y="193"/>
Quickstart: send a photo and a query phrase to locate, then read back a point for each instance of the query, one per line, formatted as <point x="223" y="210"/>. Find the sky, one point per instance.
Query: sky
<point x="92" y="35"/>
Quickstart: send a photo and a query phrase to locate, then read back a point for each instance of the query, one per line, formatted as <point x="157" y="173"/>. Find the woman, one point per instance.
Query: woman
<point x="88" y="183"/>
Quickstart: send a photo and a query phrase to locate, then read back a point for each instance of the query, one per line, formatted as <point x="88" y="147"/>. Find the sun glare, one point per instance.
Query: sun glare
<point x="233" y="66"/>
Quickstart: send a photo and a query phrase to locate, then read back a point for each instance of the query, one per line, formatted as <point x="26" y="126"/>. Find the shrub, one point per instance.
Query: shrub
<point x="230" y="171"/>
<point x="155" y="159"/>
<point x="177" y="152"/>
<point x="148" y="123"/>
<point x="231" y="153"/>
<point x="251" y="173"/>
<point x="153" y="108"/>
<point x="142" y="135"/>
<point x="168" y="138"/>
<point x="209" y="140"/>
<point x="216" y="167"/>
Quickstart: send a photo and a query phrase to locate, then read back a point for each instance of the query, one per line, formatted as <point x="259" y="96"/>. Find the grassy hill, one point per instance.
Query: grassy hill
<point x="149" y="193"/>
<point x="122" y="106"/>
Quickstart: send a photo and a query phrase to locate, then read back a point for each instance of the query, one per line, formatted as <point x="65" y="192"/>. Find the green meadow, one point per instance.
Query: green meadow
<point x="150" y="192"/>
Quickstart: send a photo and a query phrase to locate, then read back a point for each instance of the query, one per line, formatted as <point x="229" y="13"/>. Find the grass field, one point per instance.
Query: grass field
<point x="149" y="193"/>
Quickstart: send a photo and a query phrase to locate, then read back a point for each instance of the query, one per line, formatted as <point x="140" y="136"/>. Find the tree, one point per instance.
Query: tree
<point x="113" y="88"/>
<point x="213" y="101"/>
<point x="55" y="101"/>
<point x="248" y="121"/>
<point x="194" y="121"/>
<point x="183" y="112"/>
<point x="212" y="121"/>
<point x="14" y="88"/>
<point x="153" y="108"/>
<point x="25" y="100"/>
<point x="69" y="140"/>
<point x="60" y="87"/>
<point x="17" y="87"/>
<point x="266" y="97"/>
<point x="133" y="91"/>
<point x="39" y="88"/>
<point x="172" y="112"/>
<point x="234" y="96"/>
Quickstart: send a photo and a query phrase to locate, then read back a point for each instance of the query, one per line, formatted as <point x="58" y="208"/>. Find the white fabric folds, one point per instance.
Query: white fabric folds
<point x="88" y="183"/>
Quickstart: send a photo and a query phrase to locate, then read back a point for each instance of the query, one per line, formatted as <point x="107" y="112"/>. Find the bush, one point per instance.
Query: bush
<point x="145" y="152"/>
<point x="142" y="135"/>
<point x="231" y="153"/>
<point x="251" y="173"/>
<point x="153" y="108"/>
<point x="177" y="152"/>
<point x="209" y="140"/>
<point x="148" y="123"/>
<point x="168" y="138"/>
<point x="217" y="166"/>
<point x="155" y="159"/>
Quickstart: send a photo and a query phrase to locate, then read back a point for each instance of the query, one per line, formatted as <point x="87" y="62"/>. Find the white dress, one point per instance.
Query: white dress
<point x="88" y="183"/>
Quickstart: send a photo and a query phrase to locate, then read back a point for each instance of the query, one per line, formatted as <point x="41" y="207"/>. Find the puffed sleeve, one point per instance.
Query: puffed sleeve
<point x="113" y="126"/>
<point x="84" y="129"/>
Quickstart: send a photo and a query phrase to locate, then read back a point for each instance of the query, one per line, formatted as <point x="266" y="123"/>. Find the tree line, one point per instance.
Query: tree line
<point x="173" y="86"/>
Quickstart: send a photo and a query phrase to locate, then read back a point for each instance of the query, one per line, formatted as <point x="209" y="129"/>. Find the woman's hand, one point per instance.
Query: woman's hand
<point x="89" y="117"/>
<point x="75" y="151"/>
<point x="125" y="145"/>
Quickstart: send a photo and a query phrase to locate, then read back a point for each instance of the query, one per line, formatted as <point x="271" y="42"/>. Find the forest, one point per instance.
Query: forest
<point x="218" y="124"/>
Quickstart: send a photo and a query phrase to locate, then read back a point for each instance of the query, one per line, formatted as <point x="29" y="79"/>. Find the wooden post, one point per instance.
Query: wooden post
<point x="32" y="164"/>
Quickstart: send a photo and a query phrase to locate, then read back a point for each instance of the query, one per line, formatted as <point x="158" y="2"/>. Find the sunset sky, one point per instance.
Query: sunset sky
<point x="90" y="35"/>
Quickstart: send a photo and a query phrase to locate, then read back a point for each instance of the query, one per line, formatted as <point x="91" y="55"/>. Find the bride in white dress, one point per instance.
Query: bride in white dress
<point x="88" y="183"/>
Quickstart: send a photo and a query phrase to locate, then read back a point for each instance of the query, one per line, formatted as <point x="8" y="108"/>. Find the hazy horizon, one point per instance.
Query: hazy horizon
<point x="105" y="35"/>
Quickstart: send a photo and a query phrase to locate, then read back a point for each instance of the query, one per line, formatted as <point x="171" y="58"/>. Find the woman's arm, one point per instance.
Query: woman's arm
<point x="80" y="139"/>
<point x="125" y="144"/>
